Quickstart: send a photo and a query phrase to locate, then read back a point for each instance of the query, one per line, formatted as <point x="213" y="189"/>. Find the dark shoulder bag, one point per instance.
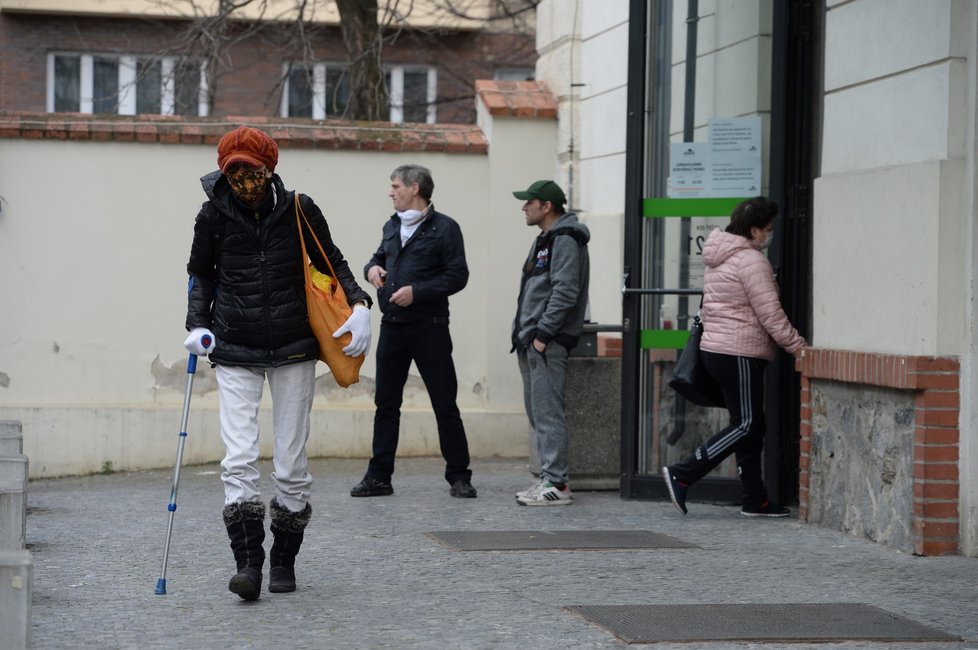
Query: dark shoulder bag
<point x="690" y="378"/>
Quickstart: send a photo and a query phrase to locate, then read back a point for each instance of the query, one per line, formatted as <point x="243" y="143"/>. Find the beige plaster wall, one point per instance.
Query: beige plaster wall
<point x="94" y="239"/>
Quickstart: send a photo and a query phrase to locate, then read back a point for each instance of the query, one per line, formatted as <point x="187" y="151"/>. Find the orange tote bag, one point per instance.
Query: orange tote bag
<point x="328" y="310"/>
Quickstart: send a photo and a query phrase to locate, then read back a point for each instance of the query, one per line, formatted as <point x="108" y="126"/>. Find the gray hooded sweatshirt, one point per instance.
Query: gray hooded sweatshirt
<point x="554" y="286"/>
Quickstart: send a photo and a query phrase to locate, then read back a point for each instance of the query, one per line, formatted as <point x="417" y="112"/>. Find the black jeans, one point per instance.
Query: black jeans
<point x="429" y="345"/>
<point x="742" y="381"/>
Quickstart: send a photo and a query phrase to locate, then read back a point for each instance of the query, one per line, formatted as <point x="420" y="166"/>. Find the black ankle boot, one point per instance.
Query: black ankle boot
<point x="288" y="528"/>
<point x="245" y="522"/>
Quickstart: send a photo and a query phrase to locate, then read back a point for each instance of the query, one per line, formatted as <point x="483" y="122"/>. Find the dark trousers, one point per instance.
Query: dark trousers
<point x="430" y="347"/>
<point x="742" y="381"/>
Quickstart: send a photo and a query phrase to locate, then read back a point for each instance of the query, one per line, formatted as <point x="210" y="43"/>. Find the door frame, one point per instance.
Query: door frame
<point x="792" y="159"/>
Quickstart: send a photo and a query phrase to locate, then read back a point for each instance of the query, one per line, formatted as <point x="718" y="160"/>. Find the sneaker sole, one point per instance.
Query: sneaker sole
<point x="672" y="495"/>
<point x="561" y="502"/>
<point x="780" y="515"/>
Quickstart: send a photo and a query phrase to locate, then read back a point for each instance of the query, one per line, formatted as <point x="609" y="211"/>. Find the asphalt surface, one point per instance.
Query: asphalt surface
<point x="369" y="576"/>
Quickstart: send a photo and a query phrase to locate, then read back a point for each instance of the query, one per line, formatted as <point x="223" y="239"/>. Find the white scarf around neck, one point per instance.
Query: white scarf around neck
<point x="410" y="220"/>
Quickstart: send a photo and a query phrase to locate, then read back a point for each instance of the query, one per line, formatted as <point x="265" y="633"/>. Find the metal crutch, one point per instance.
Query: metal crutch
<point x="172" y="507"/>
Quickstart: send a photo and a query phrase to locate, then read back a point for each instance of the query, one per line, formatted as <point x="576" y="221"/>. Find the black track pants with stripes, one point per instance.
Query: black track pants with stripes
<point x="742" y="380"/>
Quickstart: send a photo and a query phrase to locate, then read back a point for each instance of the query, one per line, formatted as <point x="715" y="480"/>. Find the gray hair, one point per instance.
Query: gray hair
<point x="411" y="174"/>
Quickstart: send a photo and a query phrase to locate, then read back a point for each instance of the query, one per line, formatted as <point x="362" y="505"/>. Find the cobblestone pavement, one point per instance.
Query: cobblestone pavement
<point x="369" y="577"/>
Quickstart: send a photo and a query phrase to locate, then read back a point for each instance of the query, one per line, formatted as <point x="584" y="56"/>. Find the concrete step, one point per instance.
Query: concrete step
<point x="16" y="585"/>
<point x="13" y="502"/>
<point x="11" y="438"/>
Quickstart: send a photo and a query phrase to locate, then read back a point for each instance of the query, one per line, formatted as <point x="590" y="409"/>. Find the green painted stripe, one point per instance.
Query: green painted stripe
<point x="663" y="339"/>
<point x="711" y="207"/>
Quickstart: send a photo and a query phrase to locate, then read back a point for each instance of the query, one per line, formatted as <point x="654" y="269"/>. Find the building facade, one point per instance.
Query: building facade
<point x="152" y="58"/>
<point x="866" y="111"/>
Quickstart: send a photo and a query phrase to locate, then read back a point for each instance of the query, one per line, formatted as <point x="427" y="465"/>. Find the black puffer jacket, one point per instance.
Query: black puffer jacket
<point x="246" y="275"/>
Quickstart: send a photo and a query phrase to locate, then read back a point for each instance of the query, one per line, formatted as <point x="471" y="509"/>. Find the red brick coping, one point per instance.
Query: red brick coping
<point x="516" y="99"/>
<point x="291" y="133"/>
<point x="935" y="381"/>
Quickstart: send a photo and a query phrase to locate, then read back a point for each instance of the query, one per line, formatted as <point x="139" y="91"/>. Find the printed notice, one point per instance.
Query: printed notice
<point x="729" y="165"/>
<point x="689" y="169"/>
<point x="735" y="156"/>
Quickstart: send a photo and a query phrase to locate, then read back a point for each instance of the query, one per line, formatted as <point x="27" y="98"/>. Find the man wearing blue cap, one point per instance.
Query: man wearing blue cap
<point x="549" y="320"/>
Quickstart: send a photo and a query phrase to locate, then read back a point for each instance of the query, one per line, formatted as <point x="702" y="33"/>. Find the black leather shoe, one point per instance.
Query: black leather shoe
<point x="371" y="487"/>
<point x="463" y="489"/>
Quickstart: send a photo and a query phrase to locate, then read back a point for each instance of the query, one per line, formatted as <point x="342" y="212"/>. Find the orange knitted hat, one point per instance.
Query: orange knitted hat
<point x="247" y="145"/>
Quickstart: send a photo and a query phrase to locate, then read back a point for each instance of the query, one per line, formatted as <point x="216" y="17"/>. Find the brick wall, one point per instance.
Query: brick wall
<point x="935" y="382"/>
<point x="253" y="88"/>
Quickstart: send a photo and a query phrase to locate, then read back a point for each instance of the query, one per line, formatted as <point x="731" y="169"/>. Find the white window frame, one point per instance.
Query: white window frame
<point x="514" y="73"/>
<point x="396" y="90"/>
<point x="318" y="89"/>
<point x="127" y="83"/>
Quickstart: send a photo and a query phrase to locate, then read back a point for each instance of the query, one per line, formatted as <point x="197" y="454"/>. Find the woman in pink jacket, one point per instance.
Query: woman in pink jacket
<point x="743" y="322"/>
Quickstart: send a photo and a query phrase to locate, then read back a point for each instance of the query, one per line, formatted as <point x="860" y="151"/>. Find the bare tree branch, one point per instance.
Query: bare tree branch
<point x="213" y="36"/>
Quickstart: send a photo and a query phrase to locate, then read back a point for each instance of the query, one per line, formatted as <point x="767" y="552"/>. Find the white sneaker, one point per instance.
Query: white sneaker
<point x="530" y="490"/>
<point x="547" y="495"/>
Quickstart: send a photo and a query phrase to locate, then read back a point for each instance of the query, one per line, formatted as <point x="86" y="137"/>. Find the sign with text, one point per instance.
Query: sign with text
<point x="689" y="169"/>
<point x="728" y="165"/>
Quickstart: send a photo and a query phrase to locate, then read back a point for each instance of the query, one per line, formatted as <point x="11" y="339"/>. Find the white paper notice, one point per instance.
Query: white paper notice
<point x="735" y="156"/>
<point x="689" y="169"/>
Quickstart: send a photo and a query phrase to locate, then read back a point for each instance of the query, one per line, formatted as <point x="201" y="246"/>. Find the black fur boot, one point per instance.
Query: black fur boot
<point x="288" y="528"/>
<point x="245" y="522"/>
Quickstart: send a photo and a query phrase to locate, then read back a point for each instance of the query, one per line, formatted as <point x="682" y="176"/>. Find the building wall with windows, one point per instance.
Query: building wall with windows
<point x="70" y="62"/>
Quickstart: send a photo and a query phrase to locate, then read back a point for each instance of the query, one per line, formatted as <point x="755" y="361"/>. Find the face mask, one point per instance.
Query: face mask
<point x="766" y="237"/>
<point x="248" y="185"/>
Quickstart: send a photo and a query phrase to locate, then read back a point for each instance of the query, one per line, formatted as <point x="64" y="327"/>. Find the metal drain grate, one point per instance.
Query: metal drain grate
<point x="552" y="540"/>
<point x="759" y="622"/>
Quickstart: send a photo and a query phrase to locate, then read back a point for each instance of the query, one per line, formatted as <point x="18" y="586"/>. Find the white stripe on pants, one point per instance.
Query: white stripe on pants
<point x="240" y="391"/>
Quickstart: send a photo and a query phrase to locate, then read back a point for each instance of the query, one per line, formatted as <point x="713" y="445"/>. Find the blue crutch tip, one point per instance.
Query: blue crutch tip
<point x="161" y="587"/>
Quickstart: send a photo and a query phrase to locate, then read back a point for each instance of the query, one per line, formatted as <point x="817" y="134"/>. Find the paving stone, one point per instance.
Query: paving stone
<point x="369" y="576"/>
<point x="15" y="599"/>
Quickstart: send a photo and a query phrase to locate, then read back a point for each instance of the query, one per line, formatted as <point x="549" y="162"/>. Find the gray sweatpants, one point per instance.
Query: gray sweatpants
<point x="544" y="380"/>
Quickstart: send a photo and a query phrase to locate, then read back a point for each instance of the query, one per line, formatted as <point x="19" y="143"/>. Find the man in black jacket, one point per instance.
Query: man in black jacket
<point x="419" y="264"/>
<point x="247" y="311"/>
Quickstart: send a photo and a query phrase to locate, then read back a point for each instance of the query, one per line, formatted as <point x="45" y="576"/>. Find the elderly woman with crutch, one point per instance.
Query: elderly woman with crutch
<point x="246" y="292"/>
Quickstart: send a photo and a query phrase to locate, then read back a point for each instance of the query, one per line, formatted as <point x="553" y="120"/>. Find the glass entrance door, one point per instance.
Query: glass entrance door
<point x="687" y="70"/>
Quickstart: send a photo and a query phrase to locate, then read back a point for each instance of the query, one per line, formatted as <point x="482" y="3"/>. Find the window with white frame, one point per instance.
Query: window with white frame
<point x="413" y="90"/>
<point x="322" y="90"/>
<point x="514" y="74"/>
<point x="125" y="85"/>
<point x="318" y="92"/>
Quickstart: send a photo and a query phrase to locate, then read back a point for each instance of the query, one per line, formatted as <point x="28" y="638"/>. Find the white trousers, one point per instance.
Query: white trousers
<point x="240" y="391"/>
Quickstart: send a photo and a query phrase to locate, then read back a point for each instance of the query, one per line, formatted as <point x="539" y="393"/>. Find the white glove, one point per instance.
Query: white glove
<point x="195" y="343"/>
<point x="358" y="324"/>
